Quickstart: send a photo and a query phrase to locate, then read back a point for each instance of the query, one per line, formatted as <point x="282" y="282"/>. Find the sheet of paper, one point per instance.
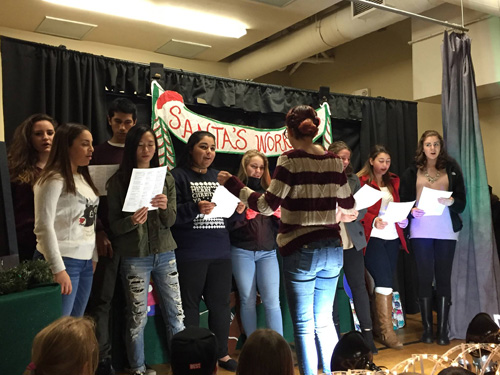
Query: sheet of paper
<point x="225" y="203"/>
<point x="366" y="197"/>
<point x="145" y="184"/>
<point x="397" y="211"/>
<point x="429" y="201"/>
<point x="100" y="175"/>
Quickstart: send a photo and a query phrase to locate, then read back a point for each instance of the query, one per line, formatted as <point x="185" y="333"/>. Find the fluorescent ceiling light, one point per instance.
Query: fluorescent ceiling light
<point x="143" y="10"/>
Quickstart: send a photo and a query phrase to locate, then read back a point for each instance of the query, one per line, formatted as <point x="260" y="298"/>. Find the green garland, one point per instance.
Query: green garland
<point x="24" y="276"/>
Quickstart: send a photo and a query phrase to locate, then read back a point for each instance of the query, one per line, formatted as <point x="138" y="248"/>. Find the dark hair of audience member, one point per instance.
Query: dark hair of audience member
<point x="265" y="352"/>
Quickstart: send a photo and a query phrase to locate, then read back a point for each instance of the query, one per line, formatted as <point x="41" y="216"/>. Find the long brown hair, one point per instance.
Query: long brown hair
<point x="421" y="160"/>
<point x="338" y="146"/>
<point x="367" y="169"/>
<point x="22" y="156"/>
<point x="265" y="180"/>
<point x="59" y="161"/>
<point x="67" y="346"/>
<point x="265" y="352"/>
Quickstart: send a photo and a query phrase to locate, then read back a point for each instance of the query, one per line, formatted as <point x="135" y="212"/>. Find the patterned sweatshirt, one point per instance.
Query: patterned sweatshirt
<point x="308" y="188"/>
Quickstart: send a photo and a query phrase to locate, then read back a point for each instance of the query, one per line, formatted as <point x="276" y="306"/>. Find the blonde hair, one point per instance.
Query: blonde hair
<point x="265" y="180"/>
<point x="265" y="352"/>
<point x="67" y="346"/>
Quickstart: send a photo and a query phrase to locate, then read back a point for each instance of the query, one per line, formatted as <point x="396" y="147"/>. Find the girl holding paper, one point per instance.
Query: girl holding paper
<point x="433" y="238"/>
<point x="384" y="240"/>
<point x="353" y="241"/>
<point x="145" y="244"/>
<point x="253" y="250"/>
<point x="204" y="250"/>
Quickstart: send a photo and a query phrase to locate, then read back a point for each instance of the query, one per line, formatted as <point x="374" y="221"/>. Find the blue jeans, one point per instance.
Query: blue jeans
<point x="311" y="276"/>
<point x="136" y="273"/>
<point x="381" y="260"/>
<point x="254" y="270"/>
<point x="80" y="273"/>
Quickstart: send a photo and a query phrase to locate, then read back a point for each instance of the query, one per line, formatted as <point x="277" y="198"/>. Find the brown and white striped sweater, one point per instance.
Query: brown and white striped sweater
<point x="308" y="188"/>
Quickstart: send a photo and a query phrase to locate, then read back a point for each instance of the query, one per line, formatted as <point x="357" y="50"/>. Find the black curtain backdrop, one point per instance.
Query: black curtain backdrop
<point x="73" y="86"/>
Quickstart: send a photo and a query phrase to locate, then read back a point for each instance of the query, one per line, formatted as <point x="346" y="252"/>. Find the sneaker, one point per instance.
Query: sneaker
<point x="229" y="365"/>
<point x="105" y="367"/>
<point x="148" y="371"/>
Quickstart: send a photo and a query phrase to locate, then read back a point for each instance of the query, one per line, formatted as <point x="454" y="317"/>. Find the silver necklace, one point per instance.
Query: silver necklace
<point x="431" y="179"/>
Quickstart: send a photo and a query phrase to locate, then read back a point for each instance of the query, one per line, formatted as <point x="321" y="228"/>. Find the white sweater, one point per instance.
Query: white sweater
<point x="65" y="223"/>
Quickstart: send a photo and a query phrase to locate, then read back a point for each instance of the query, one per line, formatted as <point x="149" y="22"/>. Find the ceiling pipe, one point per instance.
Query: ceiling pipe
<point x="486" y="6"/>
<point x="331" y="31"/>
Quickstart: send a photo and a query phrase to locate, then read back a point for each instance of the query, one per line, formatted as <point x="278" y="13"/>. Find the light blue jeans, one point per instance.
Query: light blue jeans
<point x="136" y="273"/>
<point x="311" y="276"/>
<point x="257" y="270"/>
<point x="80" y="273"/>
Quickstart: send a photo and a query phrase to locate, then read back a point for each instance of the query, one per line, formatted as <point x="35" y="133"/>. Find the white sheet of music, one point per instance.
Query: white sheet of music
<point x="397" y="211"/>
<point x="100" y="174"/>
<point x="366" y="197"/>
<point x="429" y="201"/>
<point x="145" y="184"/>
<point x="225" y="203"/>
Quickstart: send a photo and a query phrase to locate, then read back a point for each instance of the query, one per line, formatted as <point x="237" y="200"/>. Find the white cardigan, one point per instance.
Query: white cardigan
<point x="65" y="223"/>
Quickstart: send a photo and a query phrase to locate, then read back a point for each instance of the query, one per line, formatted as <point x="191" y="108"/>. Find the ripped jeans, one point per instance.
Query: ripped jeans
<point x="135" y="273"/>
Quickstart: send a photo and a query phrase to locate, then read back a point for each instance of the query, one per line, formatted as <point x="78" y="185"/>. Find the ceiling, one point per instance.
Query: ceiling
<point x="264" y="23"/>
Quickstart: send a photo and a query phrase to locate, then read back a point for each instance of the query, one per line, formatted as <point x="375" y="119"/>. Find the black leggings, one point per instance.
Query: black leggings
<point x="354" y="270"/>
<point x="434" y="260"/>
<point x="381" y="259"/>
<point x="212" y="279"/>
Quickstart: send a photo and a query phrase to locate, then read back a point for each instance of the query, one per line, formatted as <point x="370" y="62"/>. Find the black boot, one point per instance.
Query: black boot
<point x="368" y="336"/>
<point x="426" y="312"/>
<point x="443" y="311"/>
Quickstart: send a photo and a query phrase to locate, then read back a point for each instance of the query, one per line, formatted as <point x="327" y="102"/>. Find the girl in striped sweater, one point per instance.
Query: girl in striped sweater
<point x="309" y="183"/>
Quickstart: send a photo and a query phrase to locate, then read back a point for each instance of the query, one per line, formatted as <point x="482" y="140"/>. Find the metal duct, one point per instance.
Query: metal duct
<point x="486" y="6"/>
<point x="329" y="32"/>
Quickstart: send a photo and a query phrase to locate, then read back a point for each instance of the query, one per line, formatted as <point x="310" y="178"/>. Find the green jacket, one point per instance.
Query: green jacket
<point x="141" y="240"/>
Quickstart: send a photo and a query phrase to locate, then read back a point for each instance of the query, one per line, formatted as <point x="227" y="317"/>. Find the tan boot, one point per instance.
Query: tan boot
<point x="387" y="336"/>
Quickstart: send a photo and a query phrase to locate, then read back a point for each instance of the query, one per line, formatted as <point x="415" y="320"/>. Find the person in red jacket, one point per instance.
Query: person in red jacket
<point x="384" y="240"/>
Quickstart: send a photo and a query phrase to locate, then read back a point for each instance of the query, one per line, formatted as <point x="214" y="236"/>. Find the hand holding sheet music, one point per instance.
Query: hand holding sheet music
<point x="429" y="203"/>
<point x="366" y="197"/>
<point x="225" y="203"/>
<point x="145" y="184"/>
<point x="397" y="211"/>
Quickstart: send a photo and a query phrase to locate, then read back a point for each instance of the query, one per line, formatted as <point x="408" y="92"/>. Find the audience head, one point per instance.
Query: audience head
<point x="255" y="164"/>
<point x="122" y="116"/>
<point x="265" y="352"/>
<point x="343" y="151"/>
<point x="431" y="146"/>
<point x="377" y="166"/>
<point x="67" y="346"/>
<point x="302" y="122"/>
<point x="31" y="139"/>
<point x="71" y="152"/>
<point x="194" y="352"/>
<point x="199" y="152"/>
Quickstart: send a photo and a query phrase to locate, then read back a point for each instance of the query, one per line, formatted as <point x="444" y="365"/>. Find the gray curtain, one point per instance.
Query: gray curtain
<point x="476" y="270"/>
